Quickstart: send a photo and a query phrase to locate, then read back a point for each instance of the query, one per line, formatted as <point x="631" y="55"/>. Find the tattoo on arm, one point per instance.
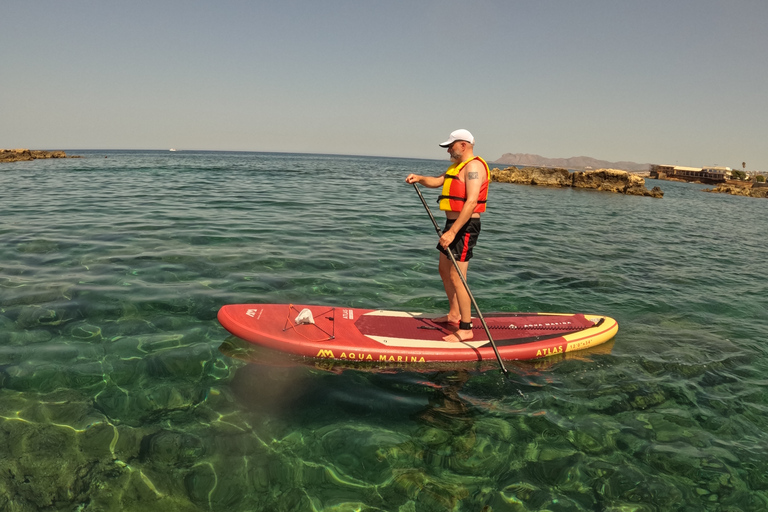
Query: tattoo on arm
<point x="473" y="175"/>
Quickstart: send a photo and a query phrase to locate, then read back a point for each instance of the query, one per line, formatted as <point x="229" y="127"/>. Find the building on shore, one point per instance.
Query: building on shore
<point x="710" y="175"/>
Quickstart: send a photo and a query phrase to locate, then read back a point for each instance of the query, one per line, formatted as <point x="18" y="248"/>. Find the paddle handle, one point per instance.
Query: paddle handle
<point x="463" y="281"/>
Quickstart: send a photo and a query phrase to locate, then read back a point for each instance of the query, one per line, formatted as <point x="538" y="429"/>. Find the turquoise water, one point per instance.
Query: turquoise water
<point x="120" y="391"/>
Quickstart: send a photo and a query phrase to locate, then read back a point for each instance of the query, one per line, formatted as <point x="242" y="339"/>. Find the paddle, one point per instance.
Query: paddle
<point x="463" y="280"/>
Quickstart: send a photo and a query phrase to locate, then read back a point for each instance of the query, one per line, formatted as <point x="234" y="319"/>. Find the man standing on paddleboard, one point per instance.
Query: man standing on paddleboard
<point x="463" y="198"/>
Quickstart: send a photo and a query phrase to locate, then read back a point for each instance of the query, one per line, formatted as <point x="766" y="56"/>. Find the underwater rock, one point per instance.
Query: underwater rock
<point x="171" y="323"/>
<point x="410" y="482"/>
<point x="29" y="337"/>
<point x="441" y="496"/>
<point x="167" y="398"/>
<point x="98" y="439"/>
<point x="496" y="428"/>
<point x="592" y="441"/>
<point x="64" y="407"/>
<point x="127" y="487"/>
<point x="127" y="327"/>
<point x="221" y="368"/>
<point x="6" y="324"/>
<point x="11" y="402"/>
<point x="552" y="468"/>
<point x="35" y="316"/>
<point x="43" y="467"/>
<point x="484" y="456"/>
<point x="35" y="376"/>
<point x="126" y="441"/>
<point x="64" y="352"/>
<point x="429" y="492"/>
<point x="200" y="482"/>
<point x="518" y="493"/>
<point x="185" y="362"/>
<point x="356" y="451"/>
<point x="85" y="375"/>
<point x="125" y="370"/>
<point x="39" y="246"/>
<point x="56" y="295"/>
<point x="644" y="399"/>
<point x="430" y="436"/>
<point x="625" y="485"/>
<point x="84" y="331"/>
<point x="116" y="404"/>
<point x="154" y="342"/>
<point x="171" y="448"/>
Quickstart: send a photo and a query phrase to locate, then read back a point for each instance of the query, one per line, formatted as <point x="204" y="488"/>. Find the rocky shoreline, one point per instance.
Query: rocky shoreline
<point x="605" y="180"/>
<point x="739" y="190"/>
<point x="23" y="155"/>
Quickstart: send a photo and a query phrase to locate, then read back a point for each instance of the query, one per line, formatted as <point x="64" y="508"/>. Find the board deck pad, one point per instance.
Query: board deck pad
<point x="399" y="336"/>
<point x="505" y="328"/>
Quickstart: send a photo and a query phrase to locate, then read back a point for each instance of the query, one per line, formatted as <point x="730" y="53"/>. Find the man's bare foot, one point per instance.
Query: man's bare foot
<point x="458" y="336"/>
<point x="447" y="319"/>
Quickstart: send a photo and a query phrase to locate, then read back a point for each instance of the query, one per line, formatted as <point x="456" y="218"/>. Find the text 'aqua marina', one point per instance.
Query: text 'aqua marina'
<point x="362" y="356"/>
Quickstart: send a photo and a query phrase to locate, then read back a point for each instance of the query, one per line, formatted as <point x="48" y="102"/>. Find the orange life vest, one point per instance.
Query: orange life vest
<point x="455" y="191"/>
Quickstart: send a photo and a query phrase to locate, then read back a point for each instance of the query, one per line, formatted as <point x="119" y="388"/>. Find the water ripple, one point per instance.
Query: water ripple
<point x="118" y="385"/>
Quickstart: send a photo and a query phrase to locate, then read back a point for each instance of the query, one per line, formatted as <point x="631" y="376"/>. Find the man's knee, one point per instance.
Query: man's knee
<point x="444" y="266"/>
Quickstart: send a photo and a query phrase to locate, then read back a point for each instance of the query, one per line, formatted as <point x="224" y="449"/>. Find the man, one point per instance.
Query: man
<point x="463" y="198"/>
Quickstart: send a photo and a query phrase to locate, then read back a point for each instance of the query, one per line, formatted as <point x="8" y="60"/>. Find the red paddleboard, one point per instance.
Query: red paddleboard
<point x="367" y="335"/>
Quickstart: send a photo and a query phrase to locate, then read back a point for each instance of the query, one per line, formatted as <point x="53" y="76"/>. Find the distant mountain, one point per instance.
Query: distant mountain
<point x="576" y="163"/>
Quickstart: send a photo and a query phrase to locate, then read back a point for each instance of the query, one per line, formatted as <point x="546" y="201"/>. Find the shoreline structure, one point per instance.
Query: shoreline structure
<point x="23" y="155"/>
<point x="605" y="180"/>
<point x="741" y="189"/>
<point x="613" y="180"/>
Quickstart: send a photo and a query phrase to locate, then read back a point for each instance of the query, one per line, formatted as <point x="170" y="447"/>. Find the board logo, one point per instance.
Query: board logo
<point x="325" y="353"/>
<point x="549" y="351"/>
<point x="348" y="314"/>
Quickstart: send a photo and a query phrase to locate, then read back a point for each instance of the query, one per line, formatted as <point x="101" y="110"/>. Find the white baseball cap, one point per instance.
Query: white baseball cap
<point x="459" y="135"/>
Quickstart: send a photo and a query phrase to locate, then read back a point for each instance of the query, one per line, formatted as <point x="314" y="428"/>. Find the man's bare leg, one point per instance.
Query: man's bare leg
<point x="458" y="298"/>
<point x="445" y="266"/>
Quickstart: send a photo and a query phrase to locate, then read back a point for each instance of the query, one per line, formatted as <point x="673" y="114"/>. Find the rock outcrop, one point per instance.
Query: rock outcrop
<point x="614" y="180"/>
<point x="547" y="176"/>
<point x="606" y="180"/>
<point x="20" y="155"/>
<point x="737" y="190"/>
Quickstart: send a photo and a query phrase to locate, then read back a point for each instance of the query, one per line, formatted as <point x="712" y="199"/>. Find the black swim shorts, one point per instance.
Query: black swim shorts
<point x="465" y="240"/>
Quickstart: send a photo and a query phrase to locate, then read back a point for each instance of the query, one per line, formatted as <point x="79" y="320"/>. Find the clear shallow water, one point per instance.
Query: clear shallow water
<point x="120" y="391"/>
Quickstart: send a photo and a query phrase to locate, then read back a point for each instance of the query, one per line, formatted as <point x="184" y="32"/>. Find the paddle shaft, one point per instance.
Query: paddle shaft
<point x="463" y="280"/>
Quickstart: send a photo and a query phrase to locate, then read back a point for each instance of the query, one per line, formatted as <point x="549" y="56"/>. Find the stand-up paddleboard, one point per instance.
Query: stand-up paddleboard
<point x="352" y="334"/>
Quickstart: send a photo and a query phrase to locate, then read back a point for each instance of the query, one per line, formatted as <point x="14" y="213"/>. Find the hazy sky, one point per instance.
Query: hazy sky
<point x="661" y="81"/>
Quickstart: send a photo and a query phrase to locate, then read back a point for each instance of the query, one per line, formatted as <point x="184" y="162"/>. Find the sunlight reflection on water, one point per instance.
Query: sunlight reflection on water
<point x="121" y="391"/>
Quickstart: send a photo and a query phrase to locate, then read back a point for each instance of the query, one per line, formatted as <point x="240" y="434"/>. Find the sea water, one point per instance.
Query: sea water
<point x="120" y="390"/>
